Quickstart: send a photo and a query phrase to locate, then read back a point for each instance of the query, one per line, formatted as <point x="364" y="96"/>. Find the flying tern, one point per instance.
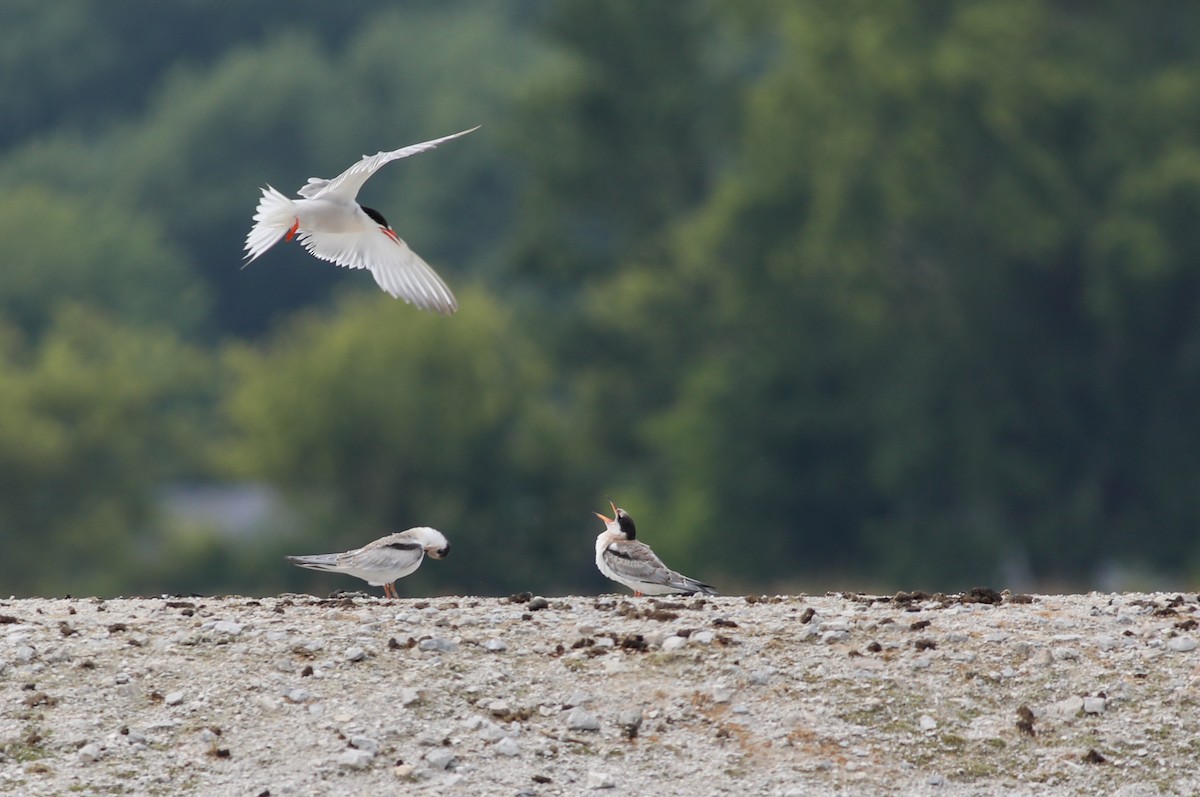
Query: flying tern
<point x="332" y="226"/>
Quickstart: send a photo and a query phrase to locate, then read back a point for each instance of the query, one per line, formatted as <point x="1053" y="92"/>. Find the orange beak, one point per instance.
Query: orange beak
<point x="608" y="519"/>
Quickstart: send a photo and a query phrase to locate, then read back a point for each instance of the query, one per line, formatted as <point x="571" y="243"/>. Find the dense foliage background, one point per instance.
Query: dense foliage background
<point x="845" y="294"/>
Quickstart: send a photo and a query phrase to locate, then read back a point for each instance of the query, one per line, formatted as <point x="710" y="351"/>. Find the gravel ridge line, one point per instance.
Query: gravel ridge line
<point x="977" y="693"/>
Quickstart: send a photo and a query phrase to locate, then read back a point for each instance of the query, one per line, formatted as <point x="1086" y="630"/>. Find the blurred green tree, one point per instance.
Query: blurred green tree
<point x="66" y="250"/>
<point x="94" y="416"/>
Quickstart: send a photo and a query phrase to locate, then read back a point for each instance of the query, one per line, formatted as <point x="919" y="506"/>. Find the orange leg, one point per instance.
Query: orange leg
<point x="637" y="594"/>
<point x="292" y="232"/>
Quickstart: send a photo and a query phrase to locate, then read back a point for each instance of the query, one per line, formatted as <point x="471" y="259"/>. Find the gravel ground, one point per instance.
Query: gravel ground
<point x="909" y="694"/>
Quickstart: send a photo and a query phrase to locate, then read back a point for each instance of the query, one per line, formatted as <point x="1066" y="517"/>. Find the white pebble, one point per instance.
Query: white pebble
<point x="355" y="759"/>
<point x="1094" y="705"/>
<point x="1181" y="644"/>
<point x="355" y="654"/>
<point x="364" y="743"/>
<point x="673" y="643"/>
<point x="495" y="645"/>
<point x="508" y="747"/>
<point x="582" y="720"/>
<point x="440" y="758"/>
<point x="600" y="780"/>
<point x="927" y="723"/>
<point x="227" y="627"/>
<point x="499" y="708"/>
<point x="576" y="699"/>
<point x="703" y="637"/>
<point x="173" y="698"/>
<point x="438" y="644"/>
<point x="90" y="752"/>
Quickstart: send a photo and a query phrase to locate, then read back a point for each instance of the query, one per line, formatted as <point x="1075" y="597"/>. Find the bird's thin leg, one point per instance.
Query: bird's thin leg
<point x="637" y="594"/>
<point x="292" y="232"/>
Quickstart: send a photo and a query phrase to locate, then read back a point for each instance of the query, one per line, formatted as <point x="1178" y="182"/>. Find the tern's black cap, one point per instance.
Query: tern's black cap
<point x="626" y="524"/>
<point x="376" y="216"/>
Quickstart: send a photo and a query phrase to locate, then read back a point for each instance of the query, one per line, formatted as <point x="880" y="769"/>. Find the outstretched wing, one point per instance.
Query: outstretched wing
<point x="397" y="269"/>
<point x="347" y="184"/>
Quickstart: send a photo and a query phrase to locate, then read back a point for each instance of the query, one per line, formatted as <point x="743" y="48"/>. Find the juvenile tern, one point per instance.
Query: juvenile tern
<point x="381" y="562"/>
<point x="332" y="226"/>
<point x="630" y="562"/>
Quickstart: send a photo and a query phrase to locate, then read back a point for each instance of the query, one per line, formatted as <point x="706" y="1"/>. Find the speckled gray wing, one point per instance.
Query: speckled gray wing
<point x="635" y="561"/>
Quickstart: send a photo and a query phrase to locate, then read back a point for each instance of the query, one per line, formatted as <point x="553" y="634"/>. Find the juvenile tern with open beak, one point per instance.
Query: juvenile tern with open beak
<point x="627" y="561"/>
<point x="331" y="224"/>
<point x="382" y="562"/>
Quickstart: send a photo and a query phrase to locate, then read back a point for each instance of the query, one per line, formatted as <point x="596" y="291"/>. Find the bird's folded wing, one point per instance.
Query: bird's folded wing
<point x="381" y="558"/>
<point x="348" y="183"/>
<point x="397" y="269"/>
<point x="635" y="561"/>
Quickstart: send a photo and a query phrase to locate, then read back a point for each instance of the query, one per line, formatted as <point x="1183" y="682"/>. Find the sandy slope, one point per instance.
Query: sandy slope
<point x="1075" y="694"/>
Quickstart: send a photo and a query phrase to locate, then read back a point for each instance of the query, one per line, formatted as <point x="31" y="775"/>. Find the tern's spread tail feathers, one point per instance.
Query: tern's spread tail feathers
<point x="275" y="217"/>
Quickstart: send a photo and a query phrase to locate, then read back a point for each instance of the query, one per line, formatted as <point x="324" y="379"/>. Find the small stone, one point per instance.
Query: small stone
<point x="927" y="723"/>
<point x="599" y="780"/>
<point x="1094" y="705"/>
<point x="703" y="637"/>
<point x="355" y="654"/>
<point x="1106" y="643"/>
<point x="1043" y="658"/>
<point x="922" y="663"/>
<point x="721" y="694"/>
<point x="364" y="743"/>
<point x="630" y="721"/>
<point x="227" y="627"/>
<point x="429" y="739"/>
<point x="1181" y="644"/>
<point x="25" y="653"/>
<point x="296" y="695"/>
<point x="577" y="699"/>
<point x="355" y="759"/>
<point x="409" y="695"/>
<point x="740" y="708"/>
<point x="499" y="708"/>
<point x="90" y="752"/>
<point x="173" y="698"/>
<point x="508" y="747"/>
<point x="1067" y="708"/>
<point x="581" y="719"/>
<point x="403" y="771"/>
<point x="491" y="732"/>
<point x="673" y="643"/>
<point x="936" y="780"/>
<point x="495" y="645"/>
<point x="438" y="644"/>
<point x="441" y="758"/>
<point x="761" y="677"/>
<point x="537" y="604"/>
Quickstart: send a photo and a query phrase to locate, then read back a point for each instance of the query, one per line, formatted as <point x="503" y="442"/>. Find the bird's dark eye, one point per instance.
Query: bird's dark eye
<point x="376" y="216"/>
